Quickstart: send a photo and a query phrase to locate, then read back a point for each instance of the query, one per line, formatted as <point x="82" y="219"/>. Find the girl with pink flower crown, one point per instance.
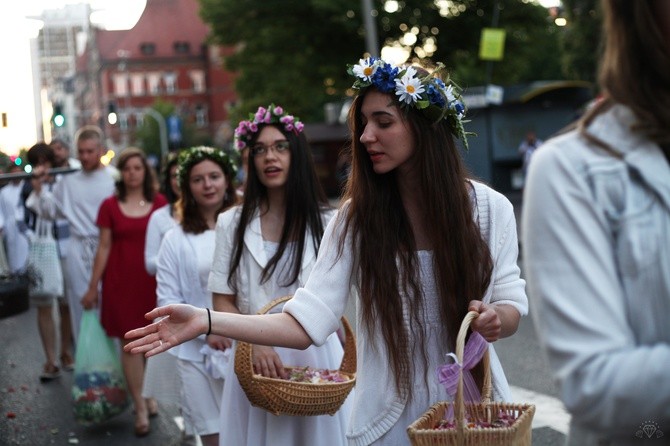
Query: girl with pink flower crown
<point x="266" y="248"/>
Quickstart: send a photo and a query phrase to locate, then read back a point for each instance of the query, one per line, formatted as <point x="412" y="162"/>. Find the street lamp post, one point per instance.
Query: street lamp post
<point x="370" y="29"/>
<point x="162" y="130"/>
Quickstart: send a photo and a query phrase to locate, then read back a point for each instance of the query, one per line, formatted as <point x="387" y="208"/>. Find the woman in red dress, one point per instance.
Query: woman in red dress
<point x="128" y="291"/>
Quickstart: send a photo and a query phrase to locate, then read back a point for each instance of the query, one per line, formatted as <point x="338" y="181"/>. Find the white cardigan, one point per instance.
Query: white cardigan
<point x="179" y="282"/>
<point x="252" y="262"/>
<point x="160" y="222"/>
<point x="319" y="305"/>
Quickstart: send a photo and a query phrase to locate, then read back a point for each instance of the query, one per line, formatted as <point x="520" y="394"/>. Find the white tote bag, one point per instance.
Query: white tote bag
<point x="44" y="261"/>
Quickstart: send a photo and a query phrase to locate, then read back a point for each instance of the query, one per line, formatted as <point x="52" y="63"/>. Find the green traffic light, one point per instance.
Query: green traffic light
<point x="58" y="117"/>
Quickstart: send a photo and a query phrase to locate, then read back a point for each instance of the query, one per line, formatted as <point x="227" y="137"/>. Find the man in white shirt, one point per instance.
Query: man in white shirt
<point x="77" y="197"/>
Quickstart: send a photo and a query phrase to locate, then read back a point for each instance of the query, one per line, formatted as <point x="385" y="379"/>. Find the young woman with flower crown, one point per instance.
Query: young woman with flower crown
<point x="415" y="240"/>
<point x="205" y="176"/>
<point x="265" y="249"/>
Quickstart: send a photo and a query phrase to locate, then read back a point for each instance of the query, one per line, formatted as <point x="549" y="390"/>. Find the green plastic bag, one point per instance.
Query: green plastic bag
<point x="99" y="390"/>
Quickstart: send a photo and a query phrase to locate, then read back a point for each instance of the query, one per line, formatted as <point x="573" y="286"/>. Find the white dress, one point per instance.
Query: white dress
<point x="426" y="389"/>
<point x="184" y="262"/>
<point x="243" y="424"/>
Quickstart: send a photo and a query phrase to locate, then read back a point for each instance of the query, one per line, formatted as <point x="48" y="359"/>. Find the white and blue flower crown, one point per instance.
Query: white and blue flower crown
<point x="435" y="98"/>
<point x="273" y="114"/>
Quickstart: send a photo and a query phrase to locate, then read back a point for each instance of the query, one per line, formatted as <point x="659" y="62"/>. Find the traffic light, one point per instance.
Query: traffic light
<point x="112" y="117"/>
<point x="58" y="117"/>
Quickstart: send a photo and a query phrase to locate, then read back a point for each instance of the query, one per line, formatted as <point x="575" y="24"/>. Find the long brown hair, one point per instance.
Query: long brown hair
<point x="635" y="67"/>
<point x="382" y="236"/>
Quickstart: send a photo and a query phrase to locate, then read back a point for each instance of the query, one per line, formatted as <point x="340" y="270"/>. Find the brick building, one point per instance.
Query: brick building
<point x="165" y="57"/>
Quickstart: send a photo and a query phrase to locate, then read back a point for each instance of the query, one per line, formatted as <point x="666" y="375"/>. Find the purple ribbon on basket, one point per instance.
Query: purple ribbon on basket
<point x="447" y="374"/>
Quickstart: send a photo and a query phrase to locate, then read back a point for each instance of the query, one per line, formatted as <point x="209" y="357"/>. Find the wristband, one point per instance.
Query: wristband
<point x="209" y="319"/>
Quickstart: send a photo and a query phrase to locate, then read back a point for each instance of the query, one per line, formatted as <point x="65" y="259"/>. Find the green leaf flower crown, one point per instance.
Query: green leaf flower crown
<point x="437" y="99"/>
<point x="192" y="156"/>
<point x="273" y="114"/>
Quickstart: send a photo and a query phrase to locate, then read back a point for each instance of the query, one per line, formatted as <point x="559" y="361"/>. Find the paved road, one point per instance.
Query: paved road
<point x="43" y="412"/>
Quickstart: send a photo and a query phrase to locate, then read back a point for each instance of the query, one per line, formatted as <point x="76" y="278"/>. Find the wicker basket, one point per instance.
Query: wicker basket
<point x="283" y="397"/>
<point x="422" y="431"/>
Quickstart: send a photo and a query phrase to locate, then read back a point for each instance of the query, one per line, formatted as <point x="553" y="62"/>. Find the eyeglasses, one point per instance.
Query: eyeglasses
<point x="278" y="146"/>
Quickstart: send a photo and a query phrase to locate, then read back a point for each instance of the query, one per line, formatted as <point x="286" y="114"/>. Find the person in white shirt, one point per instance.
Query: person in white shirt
<point x="596" y="240"/>
<point x="417" y="243"/>
<point x="42" y="155"/>
<point x="77" y="198"/>
<point x="265" y="249"/>
<point x="206" y="178"/>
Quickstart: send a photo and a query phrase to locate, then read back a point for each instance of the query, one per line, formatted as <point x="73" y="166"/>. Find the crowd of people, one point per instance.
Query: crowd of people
<point x="179" y="268"/>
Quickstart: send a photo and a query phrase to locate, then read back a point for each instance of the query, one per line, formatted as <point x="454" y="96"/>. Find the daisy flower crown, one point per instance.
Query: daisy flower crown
<point x="273" y="114"/>
<point x="189" y="157"/>
<point x="435" y="98"/>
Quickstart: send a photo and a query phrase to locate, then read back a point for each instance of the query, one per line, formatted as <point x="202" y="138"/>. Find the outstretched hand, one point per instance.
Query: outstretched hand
<point x="177" y="324"/>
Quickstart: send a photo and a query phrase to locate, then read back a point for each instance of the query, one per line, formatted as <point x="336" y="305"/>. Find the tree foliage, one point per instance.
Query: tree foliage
<point x="295" y="52"/>
<point x="580" y="43"/>
<point x="147" y="135"/>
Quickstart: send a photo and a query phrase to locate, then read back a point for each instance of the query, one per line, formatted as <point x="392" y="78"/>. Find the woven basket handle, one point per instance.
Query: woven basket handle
<point x="348" y="363"/>
<point x="459" y="406"/>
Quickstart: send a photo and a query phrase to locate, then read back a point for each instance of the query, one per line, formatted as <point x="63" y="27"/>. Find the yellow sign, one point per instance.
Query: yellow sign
<point x="492" y="44"/>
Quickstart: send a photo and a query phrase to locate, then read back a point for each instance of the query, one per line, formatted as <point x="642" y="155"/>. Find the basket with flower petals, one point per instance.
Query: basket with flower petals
<point x="308" y="392"/>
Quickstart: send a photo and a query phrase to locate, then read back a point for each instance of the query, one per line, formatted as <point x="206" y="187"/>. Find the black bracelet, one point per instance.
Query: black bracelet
<point x="209" y="318"/>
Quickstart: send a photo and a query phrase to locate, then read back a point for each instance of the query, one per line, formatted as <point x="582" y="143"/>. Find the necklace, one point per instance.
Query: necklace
<point x="142" y="202"/>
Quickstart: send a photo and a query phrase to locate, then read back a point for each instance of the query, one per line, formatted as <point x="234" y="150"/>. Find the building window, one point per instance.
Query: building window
<point x="148" y="49"/>
<point x="124" y="121"/>
<point x="120" y="84"/>
<point x="137" y="84"/>
<point x="154" y="81"/>
<point x="182" y="47"/>
<point x="200" y="116"/>
<point x="170" y="80"/>
<point x="198" y="80"/>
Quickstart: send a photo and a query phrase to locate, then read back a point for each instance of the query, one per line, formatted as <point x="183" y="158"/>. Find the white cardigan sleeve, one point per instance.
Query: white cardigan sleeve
<point x="320" y="304"/>
<point x="168" y="273"/>
<point x="507" y="286"/>
<point x="225" y="232"/>
<point x="152" y="243"/>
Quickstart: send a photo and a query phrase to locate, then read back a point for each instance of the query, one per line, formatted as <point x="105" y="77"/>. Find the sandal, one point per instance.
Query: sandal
<point x="67" y="362"/>
<point x="49" y="372"/>
<point x="142" y="428"/>
<point x="152" y="407"/>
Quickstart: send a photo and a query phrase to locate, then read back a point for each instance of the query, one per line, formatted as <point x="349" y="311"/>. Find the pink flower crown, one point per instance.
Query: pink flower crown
<point x="246" y="130"/>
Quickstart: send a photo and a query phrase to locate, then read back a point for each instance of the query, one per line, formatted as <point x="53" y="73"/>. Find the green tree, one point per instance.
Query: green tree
<point x="294" y="52"/>
<point x="580" y="42"/>
<point x="147" y="135"/>
<point x="291" y="52"/>
<point x="531" y="42"/>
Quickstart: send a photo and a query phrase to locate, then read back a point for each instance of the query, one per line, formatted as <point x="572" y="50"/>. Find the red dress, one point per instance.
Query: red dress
<point x="128" y="291"/>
